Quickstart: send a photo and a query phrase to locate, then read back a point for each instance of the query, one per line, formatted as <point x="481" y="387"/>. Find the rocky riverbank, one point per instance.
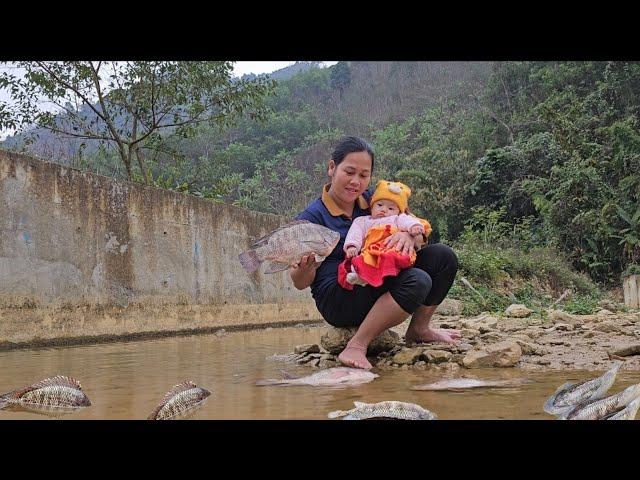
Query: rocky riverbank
<point x="557" y="340"/>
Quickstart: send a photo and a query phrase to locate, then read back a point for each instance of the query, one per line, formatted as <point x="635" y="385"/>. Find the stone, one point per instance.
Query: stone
<point x="307" y="348"/>
<point x="530" y="348"/>
<point x="559" y="316"/>
<point x="627" y="351"/>
<point x="564" y="327"/>
<point x="407" y="356"/>
<point x="483" y="323"/>
<point x="469" y="332"/>
<point x="518" y="310"/>
<point x="604" y="312"/>
<point x="437" y="356"/>
<point x="503" y="354"/>
<point x="463" y="347"/>
<point x="327" y="363"/>
<point x="334" y="340"/>
<point x="608" y="327"/>
<point x="449" y="307"/>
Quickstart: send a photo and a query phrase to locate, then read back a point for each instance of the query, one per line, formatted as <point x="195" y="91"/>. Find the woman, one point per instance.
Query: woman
<point x="415" y="291"/>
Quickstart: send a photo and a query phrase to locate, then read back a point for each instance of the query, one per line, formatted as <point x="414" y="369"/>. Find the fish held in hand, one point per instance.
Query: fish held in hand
<point x="182" y="401"/>
<point x="331" y="377"/>
<point x="286" y="245"/>
<point x="603" y="408"/>
<point x="571" y="394"/>
<point x="385" y="410"/>
<point x="54" y="396"/>
<point x="458" y="384"/>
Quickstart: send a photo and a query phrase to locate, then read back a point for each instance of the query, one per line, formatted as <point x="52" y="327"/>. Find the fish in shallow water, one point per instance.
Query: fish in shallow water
<point x="457" y="384"/>
<point x="627" y="413"/>
<point x="182" y="401"/>
<point x="52" y="396"/>
<point x="286" y="245"/>
<point x="571" y="394"/>
<point x="390" y="410"/>
<point x="330" y="377"/>
<point x="604" y="407"/>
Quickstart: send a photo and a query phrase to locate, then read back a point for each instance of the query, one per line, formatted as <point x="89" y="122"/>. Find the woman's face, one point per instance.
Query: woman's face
<point x="351" y="177"/>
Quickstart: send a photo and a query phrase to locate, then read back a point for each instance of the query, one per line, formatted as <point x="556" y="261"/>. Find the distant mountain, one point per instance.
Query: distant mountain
<point x="287" y="72"/>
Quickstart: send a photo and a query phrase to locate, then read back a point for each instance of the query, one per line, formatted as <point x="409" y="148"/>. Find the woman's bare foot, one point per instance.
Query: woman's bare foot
<point x="355" y="355"/>
<point x="427" y="335"/>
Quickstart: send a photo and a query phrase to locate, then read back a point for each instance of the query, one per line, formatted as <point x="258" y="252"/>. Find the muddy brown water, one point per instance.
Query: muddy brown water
<point x="127" y="380"/>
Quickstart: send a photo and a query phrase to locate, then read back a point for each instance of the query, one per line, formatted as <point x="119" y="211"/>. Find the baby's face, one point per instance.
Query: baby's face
<point x="384" y="208"/>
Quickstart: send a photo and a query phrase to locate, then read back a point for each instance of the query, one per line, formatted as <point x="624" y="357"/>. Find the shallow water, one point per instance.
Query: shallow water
<point x="127" y="380"/>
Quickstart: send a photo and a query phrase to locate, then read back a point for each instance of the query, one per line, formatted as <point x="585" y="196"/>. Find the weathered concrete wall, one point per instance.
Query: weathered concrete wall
<point x="82" y="255"/>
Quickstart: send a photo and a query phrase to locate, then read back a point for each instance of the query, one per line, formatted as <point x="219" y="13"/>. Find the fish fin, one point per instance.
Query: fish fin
<point x="271" y="381"/>
<point x="274" y="267"/>
<point x="338" y="414"/>
<point x="180" y="387"/>
<point x="265" y="239"/>
<point x="249" y="260"/>
<point x="154" y="414"/>
<point x="57" y="380"/>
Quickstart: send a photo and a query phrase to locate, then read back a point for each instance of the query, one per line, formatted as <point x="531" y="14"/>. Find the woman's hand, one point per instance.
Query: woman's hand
<point x="403" y="242"/>
<point x="303" y="272"/>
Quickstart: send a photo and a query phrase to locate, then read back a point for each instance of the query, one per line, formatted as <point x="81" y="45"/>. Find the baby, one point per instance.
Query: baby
<point x="366" y="236"/>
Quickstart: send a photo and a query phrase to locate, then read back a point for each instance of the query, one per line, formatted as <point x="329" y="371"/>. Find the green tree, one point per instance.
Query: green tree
<point x="128" y="104"/>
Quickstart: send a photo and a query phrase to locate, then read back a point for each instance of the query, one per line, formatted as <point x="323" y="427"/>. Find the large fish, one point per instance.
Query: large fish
<point x="391" y="409"/>
<point x="330" y="377"/>
<point x="182" y="401"/>
<point x="570" y="394"/>
<point x="286" y="245"/>
<point x="52" y="396"/>
<point x="600" y="409"/>
<point x="627" y="413"/>
<point x="458" y="384"/>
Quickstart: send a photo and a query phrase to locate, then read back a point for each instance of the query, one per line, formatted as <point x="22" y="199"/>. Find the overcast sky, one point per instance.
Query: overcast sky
<point x="240" y="68"/>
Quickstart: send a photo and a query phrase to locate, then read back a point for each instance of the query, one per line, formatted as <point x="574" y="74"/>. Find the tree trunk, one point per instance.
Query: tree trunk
<point x="632" y="291"/>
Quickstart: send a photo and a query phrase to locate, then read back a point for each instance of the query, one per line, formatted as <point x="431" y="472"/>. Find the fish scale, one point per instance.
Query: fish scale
<point x="602" y="408"/>
<point x="180" y="402"/>
<point x="51" y="396"/>
<point x="389" y="409"/>
<point x="286" y="245"/>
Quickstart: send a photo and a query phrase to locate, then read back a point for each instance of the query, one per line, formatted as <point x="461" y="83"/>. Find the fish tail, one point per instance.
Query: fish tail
<point x="337" y="414"/>
<point x="250" y="261"/>
<point x="3" y="403"/>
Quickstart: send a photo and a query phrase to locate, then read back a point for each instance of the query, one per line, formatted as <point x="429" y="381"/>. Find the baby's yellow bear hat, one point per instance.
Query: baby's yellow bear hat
<point x="395" y="191"/>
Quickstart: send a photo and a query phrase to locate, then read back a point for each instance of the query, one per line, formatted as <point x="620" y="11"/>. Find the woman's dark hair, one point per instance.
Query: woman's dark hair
<point x="349" y="145"/>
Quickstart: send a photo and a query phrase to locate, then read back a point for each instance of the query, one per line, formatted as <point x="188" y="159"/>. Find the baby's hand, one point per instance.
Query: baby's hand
<point x="351" y="251"/>
<point x="416" y="230"/>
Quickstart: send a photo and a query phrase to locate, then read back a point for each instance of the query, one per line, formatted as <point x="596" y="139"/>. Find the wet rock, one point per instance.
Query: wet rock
<point x="335" y="340"/>
<point x="517" y="310"/>
<point x="463" y="347"/>
<point x="483" y="323"/>
<point x="448" y="367"/>
<point x="314" y="362"/>
<point x="503" y="354"/>
<point x="589" y="334"/>
<point x="458" y="358"/>
<point x="407" y="356"/>
<point x="437" y="356"/>
<point x="449" y="307"/>
<point x="534" y="332"/>
<point x="543" y="361"/>
<point x="307" y="348"/>
<point x="327" y="363"/>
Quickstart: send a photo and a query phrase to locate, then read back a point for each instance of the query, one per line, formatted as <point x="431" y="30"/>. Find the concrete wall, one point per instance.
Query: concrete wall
<point x="84" y="256"/>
